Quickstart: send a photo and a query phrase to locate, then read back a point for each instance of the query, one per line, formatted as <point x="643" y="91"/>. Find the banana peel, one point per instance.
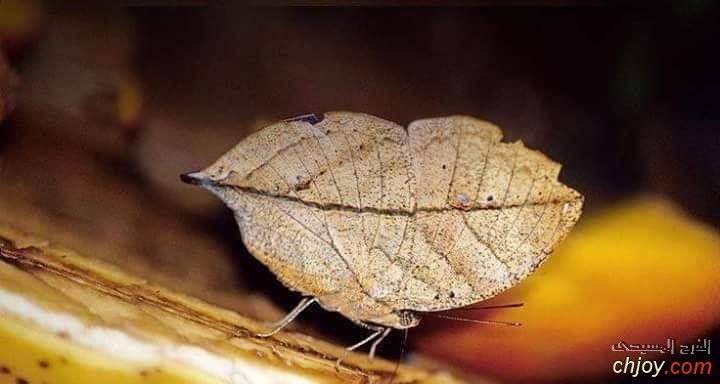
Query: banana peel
<point x="69" y="319"/>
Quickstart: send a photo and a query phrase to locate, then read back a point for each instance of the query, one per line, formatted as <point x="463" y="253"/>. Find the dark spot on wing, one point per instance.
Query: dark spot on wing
<point x="302" y="184"/>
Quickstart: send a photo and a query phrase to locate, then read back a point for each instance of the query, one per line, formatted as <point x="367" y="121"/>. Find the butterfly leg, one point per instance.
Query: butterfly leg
<point x="378" y="331"/>
<point x="276" y="327"/>
<point x="377" y="342"/>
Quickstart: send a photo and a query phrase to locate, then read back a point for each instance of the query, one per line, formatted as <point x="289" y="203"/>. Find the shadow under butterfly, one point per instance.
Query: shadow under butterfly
<point x="385" y="224"/>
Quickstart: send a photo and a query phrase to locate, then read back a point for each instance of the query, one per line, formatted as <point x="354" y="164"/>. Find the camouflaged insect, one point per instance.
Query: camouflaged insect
<point x="381" y="223"/>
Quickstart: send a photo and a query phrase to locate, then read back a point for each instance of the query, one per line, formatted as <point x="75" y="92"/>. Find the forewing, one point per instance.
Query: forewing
<point x="312" y="200"/>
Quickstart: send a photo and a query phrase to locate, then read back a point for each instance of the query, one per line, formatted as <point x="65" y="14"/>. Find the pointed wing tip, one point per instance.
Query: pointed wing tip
<point x="194" y="178"/>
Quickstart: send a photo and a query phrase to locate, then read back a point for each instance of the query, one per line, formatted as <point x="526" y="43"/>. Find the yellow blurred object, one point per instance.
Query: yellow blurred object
<point x="640" y="272"/>
<point x="129" y="104"/>
<point x="67" y="319"/>
<point x="19" y="19"/>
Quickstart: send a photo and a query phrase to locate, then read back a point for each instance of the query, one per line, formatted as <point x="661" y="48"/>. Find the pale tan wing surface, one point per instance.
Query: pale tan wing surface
<point x="488" y="213"/>
<point x="372" y="219"/>
<point x="324" y="206"/>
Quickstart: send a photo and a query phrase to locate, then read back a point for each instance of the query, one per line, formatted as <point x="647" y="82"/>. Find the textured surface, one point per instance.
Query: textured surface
<point x="376" y="220"/>
<point x="69" y="319"/>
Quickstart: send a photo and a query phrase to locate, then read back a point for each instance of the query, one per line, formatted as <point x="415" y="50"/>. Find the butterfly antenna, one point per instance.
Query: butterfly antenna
<point x="402" y="353"/>
<point x="513" y="305"/>
<point x="475" y="321"/>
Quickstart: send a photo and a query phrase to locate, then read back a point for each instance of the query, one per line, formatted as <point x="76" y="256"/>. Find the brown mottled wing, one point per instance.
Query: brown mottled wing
<point x="372" y="219"/>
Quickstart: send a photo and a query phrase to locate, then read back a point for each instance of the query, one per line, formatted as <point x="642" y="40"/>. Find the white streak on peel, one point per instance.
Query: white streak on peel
<point x="117" y="344"/>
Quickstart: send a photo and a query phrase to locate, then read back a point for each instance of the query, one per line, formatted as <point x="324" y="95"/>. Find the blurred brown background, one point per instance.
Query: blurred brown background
<point x="105" y="105"/>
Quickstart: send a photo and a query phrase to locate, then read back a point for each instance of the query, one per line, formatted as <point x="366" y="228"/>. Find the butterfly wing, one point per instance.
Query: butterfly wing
<point x="373" y="219"/>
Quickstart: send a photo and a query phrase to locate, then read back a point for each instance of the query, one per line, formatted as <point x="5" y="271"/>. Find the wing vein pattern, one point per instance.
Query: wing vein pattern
<point x="440" y="215"/>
